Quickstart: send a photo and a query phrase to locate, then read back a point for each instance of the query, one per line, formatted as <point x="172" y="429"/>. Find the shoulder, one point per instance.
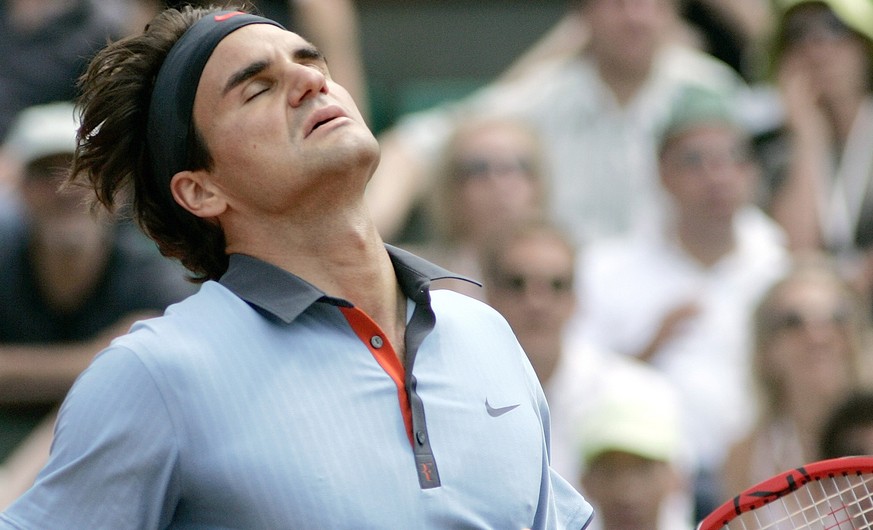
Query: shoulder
<point x="469" y="319"/>
<point x="539" y="85"/>
<point x="464" y="324"/>
<point x="452" y="305"/>
<point x="195" y="320"/>
<point x="115" y="438"/>
<point x="688" y="65"/>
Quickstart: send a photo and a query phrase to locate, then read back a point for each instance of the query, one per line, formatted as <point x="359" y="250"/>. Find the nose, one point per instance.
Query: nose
<point x="719" y="168"/>
<point x="305" y="81"/>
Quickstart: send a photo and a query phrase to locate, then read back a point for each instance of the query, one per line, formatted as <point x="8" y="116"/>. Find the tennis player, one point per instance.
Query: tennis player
<point x="314" y="381"/>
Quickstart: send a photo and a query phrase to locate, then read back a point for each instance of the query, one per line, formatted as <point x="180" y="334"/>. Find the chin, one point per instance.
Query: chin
<point x="367" y="153"/>
<point x="351" y="157"/>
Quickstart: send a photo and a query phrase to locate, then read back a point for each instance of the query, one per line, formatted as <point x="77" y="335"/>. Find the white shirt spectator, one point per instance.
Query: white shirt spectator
<point x="630" y="284"/>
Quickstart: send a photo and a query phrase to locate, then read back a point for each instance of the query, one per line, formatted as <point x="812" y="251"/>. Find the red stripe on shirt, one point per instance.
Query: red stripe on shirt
<point x="365" y="329"/>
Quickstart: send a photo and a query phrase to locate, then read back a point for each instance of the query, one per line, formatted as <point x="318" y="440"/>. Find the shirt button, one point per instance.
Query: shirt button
<point x="421" y="437"/>
<point x="376" y="341"/>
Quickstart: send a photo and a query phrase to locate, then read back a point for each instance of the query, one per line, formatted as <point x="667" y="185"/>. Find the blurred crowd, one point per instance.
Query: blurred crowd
<point x="669" y="201"/>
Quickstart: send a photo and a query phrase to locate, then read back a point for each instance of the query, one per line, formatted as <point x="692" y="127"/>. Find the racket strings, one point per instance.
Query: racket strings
<point x="841" y="502"/>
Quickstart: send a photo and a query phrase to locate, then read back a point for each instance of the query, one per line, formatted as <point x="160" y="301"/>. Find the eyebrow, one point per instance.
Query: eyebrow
<point x="306" y="53"/>
<point x="240" y="76"/>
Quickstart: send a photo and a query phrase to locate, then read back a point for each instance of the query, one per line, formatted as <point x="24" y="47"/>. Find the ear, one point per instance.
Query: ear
<point x="195" y="192"/>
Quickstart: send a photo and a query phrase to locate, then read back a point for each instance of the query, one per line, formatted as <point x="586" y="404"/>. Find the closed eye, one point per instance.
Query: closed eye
<point x="255" y="89"/>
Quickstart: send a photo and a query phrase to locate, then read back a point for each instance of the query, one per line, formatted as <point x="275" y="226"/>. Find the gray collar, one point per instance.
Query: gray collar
<point x="285" y="296"/>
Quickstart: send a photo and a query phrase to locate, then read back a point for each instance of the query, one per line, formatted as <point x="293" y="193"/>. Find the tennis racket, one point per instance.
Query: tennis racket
<point x="835" y="494"/>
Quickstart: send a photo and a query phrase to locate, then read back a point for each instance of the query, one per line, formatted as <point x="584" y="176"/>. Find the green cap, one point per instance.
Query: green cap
<point x="696" y="106"/>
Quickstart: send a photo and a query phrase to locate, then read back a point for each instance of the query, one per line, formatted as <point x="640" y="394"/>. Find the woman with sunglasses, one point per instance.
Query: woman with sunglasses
<point x="809" y="353"/>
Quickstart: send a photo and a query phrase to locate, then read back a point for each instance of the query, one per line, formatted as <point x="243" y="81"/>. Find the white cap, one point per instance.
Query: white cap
<point x="638" y="413"/>
<point x="41" y="131"/>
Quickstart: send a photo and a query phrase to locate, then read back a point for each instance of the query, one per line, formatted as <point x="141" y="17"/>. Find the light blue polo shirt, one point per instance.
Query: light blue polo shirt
<point x="262" y="403"/>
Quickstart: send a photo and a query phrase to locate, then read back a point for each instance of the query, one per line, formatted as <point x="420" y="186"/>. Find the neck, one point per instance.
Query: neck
<point x="707" y="242"/>
<point x="341" y="254"/>
<point x="625" y="81"/>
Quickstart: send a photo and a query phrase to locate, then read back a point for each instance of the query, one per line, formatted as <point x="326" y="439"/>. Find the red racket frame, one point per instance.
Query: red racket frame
<point x="783" y="484"/>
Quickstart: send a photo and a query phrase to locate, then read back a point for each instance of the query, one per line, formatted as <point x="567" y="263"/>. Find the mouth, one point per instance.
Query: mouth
<point x="322" y="117"/>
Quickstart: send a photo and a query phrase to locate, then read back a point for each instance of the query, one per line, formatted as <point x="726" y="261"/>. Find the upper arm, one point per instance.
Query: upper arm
<point x="113" y="459"/>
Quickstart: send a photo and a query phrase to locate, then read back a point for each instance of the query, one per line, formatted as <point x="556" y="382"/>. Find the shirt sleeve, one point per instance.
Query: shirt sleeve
<point x="568" y="510"/>
<point x="114" y="456"/>
<point x="560" y="506"/>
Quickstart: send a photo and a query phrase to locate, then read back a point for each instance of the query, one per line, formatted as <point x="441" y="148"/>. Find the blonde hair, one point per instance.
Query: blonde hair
<point x="442" y="206"/>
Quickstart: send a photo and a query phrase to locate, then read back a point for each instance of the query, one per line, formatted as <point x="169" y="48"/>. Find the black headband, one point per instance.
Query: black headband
<point x="172" y="103"/>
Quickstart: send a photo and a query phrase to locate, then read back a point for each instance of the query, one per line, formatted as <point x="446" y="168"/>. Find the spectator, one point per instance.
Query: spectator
<point x="679" y="295"/>
<point x="634" y="456"/>
<point x="70" y="282"/>
<point x="810" y="353"/>
<point x="821" y="160"/>
<point x="492" y="175"/>
<point x="597" y="113"/>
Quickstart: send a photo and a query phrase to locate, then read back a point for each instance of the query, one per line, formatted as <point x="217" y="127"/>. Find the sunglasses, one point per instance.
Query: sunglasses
<point x="519" y="284"/>
<point x="476" y="168"/>
<point x="694" y="159"/>
<point x="794" y="320"/>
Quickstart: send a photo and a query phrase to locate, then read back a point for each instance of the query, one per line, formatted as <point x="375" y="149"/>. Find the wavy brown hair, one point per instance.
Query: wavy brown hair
<point x="112" y="155"/>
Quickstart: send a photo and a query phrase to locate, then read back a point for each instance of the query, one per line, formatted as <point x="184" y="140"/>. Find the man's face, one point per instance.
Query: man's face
<point x="533" y="290"/>
<point x="58" y="218"/>
<point x="628" y="490"/>
<point x="280" y="132"/>
<point x="709" y="172"/>
<point x="496" y="182"/>
<point x="626" y="33"/>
